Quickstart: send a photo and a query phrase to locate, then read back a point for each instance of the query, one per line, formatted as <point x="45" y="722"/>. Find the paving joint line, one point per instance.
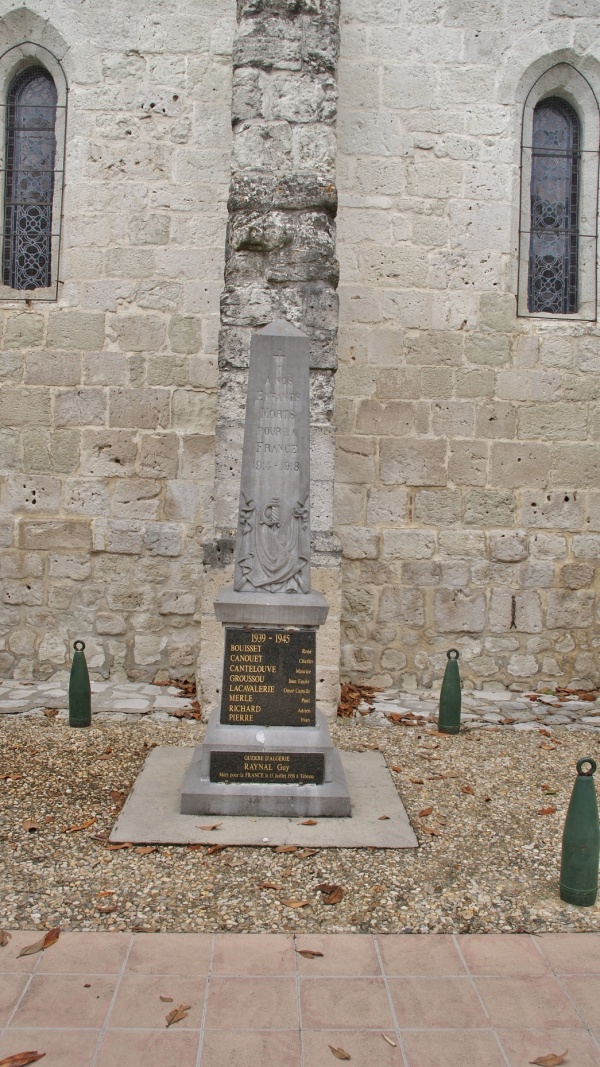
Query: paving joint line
<point x="200" y="1049"/>
<point x="104" y="1027"/>
<point x="395" y="1022"/>
<point x="471" y="978"/>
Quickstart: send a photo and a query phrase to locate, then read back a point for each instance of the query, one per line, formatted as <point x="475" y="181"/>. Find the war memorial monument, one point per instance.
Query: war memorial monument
<point x="267" y="749"/>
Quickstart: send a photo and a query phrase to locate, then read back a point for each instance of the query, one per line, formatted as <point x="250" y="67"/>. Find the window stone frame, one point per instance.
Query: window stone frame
<point x="13" y="62"/>
<point x="563" y="80"/>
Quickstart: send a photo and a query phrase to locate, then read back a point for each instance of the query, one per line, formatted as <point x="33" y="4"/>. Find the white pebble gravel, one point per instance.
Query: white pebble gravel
<point x="488" y="859"/>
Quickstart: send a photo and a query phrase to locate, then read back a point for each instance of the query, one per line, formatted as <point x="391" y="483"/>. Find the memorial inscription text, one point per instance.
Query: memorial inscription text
<point x="269" y="677"/>
<point x="306" y="768"/>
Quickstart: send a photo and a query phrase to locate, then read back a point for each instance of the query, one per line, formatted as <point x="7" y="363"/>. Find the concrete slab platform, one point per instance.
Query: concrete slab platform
<point x="151" y="813"/>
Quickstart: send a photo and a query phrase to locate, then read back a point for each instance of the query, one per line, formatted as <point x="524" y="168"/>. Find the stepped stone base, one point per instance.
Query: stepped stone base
<point x="201" y="796"/>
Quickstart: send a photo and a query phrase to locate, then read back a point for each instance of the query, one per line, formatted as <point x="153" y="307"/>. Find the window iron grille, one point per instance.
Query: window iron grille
<point x="29" y="183"/>
<point x="554" y="234"/>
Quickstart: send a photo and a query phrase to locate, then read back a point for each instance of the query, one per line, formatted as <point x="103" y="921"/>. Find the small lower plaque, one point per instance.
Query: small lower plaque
<point x="301" y="768"/>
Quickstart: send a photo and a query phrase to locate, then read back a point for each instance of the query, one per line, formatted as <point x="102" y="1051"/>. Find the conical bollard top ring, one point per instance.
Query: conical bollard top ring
<point x="581" y="763"/>
<point x="79" y="646"/>
<point x="450" y="651"/>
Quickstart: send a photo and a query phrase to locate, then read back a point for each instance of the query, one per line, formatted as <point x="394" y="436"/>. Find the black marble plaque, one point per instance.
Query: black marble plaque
<point x="301" y="768"/>
<point x="269" y="677"/>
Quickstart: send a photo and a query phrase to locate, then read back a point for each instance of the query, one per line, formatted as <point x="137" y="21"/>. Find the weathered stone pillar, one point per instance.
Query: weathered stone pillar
<point x="280" y="264"/>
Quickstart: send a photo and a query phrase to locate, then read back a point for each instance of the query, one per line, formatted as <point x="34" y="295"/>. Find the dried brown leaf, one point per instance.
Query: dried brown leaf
<point x="177" y="1014"/>
<point x="215" y="848"/>
<point x="295" y="903"/>
<point x="195" y="848"/>
<point x="21" y="1059"/>
<point x="49" y="938"/>
<point x="211" y="826"/>
<point x="335" y="896"/>
<point x="106" y="893"/>
<point x="430" y="830"/>
<point x="166" y="1000"/>
<point x="547" y="811"/>
<point x="83" y="826"/>
<point x="552" y="1060"/>
<point x="50" y="713"/>
<point x="121" y="844"/>
<point x="416" y="781"/>
<point x="269" y="885"/>
<point x="389" y="1040"/>
<point x="107" y="909"/>
<point x="382" y="817"/>
<point x="305" y="852"/>
<point x="4" y="938"/>
<point x="145" y="850"/>
<point x="352" y="695"/>
<point x="10" y="778"/>
<point x="394" y="767"/>
<point x="340" y="1053"/>
<point x="30" y="825"/>
<point x="425" y="811"/>
<point x="308" y="822"/>
<point x="308" y="953"/>
<point x="286" y="848"/>
<point x="326" y="887"/>
<point x="467" y="789"/>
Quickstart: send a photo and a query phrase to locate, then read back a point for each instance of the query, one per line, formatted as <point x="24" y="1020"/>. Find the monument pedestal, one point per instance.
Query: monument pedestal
<point x="277" y="770"/>
<point x="268" y="750"/>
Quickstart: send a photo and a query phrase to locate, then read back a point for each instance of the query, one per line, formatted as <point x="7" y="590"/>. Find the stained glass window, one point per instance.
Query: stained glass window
<point x="29" y="185"/>
<point x="553" y="247"/>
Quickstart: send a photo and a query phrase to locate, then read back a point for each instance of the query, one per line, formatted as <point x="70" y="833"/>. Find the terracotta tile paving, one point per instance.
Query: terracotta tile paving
<point x="102" y="1000"/>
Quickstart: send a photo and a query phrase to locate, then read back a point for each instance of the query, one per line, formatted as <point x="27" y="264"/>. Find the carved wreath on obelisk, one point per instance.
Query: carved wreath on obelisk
<point x="272" y="556"/>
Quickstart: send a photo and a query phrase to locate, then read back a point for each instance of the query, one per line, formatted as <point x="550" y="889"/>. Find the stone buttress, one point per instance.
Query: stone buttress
<point x="280" y="264"/>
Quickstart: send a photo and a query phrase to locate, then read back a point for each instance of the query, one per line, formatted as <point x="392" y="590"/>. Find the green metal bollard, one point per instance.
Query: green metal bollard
<point x="581" y="841"/>
<point x="80" y="694"/>
<point x="450" y="696"/>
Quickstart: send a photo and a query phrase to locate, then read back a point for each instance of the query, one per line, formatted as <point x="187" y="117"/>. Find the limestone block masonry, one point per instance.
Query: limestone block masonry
<point x="108" y="394"/>
<point x="468" y="438"/>
<point x="465" y="439"/>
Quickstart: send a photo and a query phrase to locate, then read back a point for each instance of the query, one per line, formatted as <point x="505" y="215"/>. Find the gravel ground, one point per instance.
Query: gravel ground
<point x="488" y="858"/>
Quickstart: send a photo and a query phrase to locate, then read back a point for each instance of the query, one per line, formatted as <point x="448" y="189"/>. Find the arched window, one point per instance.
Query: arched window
<point x="29" y="180"/>
<point x="553" y="251"/>
<point x="559" y="197"/>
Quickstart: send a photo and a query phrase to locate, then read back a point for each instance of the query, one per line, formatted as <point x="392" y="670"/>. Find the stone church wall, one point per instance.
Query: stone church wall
<point x="467" y="490"/>
<point x="468" y="455"/>
<point x="107" y="400"/>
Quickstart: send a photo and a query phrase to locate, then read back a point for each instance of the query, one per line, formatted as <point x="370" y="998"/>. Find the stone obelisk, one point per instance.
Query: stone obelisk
<point x="267" y="749"/>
